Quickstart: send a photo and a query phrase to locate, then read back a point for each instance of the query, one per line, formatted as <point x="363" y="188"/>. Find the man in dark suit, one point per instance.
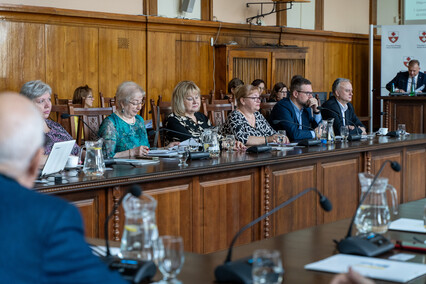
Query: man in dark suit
<point x="340" y="108"/>
<point x="403" y="81"/>
<point x="42" y="236"/>
<point x="298" y="115"/>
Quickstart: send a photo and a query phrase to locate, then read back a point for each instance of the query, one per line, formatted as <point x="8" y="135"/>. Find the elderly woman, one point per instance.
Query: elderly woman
<point x="124" y="130"/>
<point x="246" y="123"/>
<point x="279" y="91"/>
<point x="40" y="93"/>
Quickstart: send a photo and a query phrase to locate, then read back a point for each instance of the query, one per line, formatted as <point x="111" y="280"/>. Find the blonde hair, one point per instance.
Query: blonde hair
<point x="181" y="90"/>
<point x="126" y="91"/>
<point x="245" y="91"/>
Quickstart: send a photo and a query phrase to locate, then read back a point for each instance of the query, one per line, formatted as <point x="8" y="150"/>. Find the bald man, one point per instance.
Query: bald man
<point x="42" y="236"/>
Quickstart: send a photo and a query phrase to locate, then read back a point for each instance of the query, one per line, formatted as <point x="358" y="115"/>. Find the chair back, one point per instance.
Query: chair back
<point x="217" y="113"/>
<point x="55" y="114"/>
<point x="162" y="110"/>
<point x="106" y="101"/>
<point x="59" y="101"/>
<point x="264" y="97"/>
<point x="266" y="109"/>
<point x="92" y="117"/>
<point x="321" y="97"/>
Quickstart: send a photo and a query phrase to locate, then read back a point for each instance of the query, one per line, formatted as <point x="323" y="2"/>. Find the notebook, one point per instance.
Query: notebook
<point x="58" y="157"/>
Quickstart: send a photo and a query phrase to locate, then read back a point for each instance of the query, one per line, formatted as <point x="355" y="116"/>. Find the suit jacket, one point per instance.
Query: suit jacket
<point x="351" y="118"/>
<point x="284" y="111"/>
<point x="401" y="80"/>
<point x="43" y="240"/>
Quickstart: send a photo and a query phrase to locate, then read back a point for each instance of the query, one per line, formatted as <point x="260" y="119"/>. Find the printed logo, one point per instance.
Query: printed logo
<point x="406" y="60"/>
<point x="393" y="36"/>
<point x="422" y="36"/>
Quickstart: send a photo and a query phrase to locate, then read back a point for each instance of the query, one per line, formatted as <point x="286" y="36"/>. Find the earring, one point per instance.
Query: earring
<point x="122" y="111"/>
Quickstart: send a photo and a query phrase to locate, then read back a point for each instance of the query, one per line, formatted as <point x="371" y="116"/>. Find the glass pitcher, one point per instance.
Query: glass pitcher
<point x="373" y="215"/>
<point x="140" y="229"/>
<point x="94" y="162"/>
<point x="210" y="142"/>
<point x="330" y="130"/>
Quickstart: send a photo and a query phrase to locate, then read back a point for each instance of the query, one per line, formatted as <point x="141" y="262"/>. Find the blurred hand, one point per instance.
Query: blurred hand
<point x="352" y="277"/>
<point x="172" y="144"/>
<point x="239" y="146"/>
<point x="313" y="103"/>
<point x="139" y="151"/>
<point x="272" y="138"/>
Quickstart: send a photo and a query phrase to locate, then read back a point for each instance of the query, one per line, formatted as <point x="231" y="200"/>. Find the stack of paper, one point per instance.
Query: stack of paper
<point x="410" y="225"/>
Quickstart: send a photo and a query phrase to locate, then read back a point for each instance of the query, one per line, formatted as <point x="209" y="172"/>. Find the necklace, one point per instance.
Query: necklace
<point x="130" y="121"/>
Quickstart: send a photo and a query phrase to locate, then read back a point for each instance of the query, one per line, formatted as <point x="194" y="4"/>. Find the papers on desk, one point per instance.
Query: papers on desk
<point x="134" y="162"/>
<point x="408" y="225"/>
<point x="370" y="267"/>
<point x="162" y="153"/>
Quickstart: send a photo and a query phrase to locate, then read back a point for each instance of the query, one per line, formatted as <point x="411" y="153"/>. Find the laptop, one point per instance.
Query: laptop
<point x="58" y="157"/>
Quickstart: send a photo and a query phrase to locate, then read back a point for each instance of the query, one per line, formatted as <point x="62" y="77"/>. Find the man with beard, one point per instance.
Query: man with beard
<point x="298" y="114"/>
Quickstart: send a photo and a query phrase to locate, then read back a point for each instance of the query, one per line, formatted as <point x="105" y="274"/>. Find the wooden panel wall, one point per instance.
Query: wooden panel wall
<point x="67" y="48"/>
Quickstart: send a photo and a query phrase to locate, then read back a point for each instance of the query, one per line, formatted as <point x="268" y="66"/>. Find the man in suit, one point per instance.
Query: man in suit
<point x="403" y="81"/>
<point x="42" y="236"/>
<point x="298" y="115"/>
<point x="339" y="107"/>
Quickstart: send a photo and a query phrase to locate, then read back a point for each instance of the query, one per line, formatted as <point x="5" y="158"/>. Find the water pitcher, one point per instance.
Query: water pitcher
<point x="140" y="229"/>
<point x="210" y="142"/>
<point x="374" y="215"/>
<point x="330" y="130"/>
<point x="94" y="162"/>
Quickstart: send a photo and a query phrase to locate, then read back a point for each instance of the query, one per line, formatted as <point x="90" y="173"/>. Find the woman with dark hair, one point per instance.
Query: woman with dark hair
<point x="83" y="93"/>
<point x="260" y="84"/>
<point x="279" y="91"/>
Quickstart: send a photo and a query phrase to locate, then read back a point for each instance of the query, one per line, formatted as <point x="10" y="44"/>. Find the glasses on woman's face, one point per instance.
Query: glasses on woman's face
<point x="137" y="103"/>
<point x="253" y="98"/>
<point x="43" y="101"/>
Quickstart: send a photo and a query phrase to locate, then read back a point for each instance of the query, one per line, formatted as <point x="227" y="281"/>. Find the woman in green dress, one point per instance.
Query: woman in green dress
<point x="124" y="131"/>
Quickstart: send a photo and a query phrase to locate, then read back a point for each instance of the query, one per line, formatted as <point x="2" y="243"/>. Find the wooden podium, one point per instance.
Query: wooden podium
<point x="407" y="110"/>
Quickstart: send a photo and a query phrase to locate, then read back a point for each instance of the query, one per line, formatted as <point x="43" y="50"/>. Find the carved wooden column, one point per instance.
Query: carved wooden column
<point x="367" y="163"/>
<point x="266" y="203"/>
<point x="116" y="194"/>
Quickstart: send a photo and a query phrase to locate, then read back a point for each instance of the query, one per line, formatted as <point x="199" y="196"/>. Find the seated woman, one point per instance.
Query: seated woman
<point x="185" y="118"/>
<point x="246" y="123"/>
<point x="82" y="96"/>
<point x="124" y="131"/>
<point x="233" y="86"/>
<point x="40" y="93"/>
<point x="279" y="91"/>
<point x="260" y="84"/>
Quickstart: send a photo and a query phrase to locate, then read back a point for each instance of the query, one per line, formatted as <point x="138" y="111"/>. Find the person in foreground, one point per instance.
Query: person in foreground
<point x="298" y="115"/>
<point x="404" y="80"/>
<point x="43" y="238"/>
<point x="124" y="131"/>
<point x="339" y="107"/>
<point x="40" y="93"/>
<point x="351" y="277"/>
<point x="185" y="118"/>
<point x="246" y="123"/>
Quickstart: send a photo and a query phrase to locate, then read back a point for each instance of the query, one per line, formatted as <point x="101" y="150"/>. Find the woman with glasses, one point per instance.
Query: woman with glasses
<point x="260" y="84"/>
<point x="246" y="123"/>
<point x="279" y="91"/>
<point x="83" y="96"/>
<point x="124" y="131"/>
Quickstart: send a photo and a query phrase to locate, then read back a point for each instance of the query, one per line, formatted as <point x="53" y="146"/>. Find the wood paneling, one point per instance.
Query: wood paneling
<point x="315" y="57"/>
<point x="415" y="175"/>
<point x="395" y="178"/>
<point x="410" y="113"/>
<point x="22" y="53"/>
<point x="358" y="78"/>
<point x="71" y="58"/>
<point x="339" y="184"/>
<point x="337" y="62"/>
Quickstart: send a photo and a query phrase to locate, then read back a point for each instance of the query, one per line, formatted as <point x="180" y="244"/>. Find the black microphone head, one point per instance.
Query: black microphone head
<point x="325" y="203"/>
<point x="135" y="190"/>
<point x="65" y="115"/>
<point x="395" y="166"/>
<point x="320" y="108"/>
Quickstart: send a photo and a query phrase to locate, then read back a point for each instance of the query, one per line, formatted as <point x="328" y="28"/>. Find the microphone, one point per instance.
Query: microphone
<point x="67" y="115"/>
<point x="367" y="244"/>
<point x="239" y="271"/>
<point x="305" y="142"/>
<point x="391" y="133"/>
<point x="351" y="137"/>
<point x="131" y="269"/>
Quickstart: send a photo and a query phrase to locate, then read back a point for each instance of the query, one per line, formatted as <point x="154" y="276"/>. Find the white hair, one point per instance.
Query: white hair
<point x="21" y="128"/>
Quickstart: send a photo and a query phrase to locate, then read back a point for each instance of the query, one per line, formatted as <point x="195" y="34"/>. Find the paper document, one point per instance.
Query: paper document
<point x="162" y="153"/>
<point x="135" y="162"/>
<point x="409" y="225"/>
<point x="376" y="268"/>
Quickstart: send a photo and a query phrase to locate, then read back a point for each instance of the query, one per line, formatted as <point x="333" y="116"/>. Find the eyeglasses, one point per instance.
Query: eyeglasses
<point x="43" y="101"/>
<point x="138" y="103"/>
<point x="307" y="93"/>
<point x="253" y="98"/>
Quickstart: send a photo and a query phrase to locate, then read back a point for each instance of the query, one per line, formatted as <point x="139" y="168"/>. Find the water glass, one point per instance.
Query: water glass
<point x="169" y="257"/>
<point x="183" y="153"/>
<point x="267" y="267"/>
<point x="344" y="132"/>
<point x="229" y="142"/>
<point x="281" y="138"/>
<point x="401" y="129"/>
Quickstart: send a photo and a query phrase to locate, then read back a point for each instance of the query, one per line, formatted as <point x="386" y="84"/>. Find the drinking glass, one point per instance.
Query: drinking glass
<point x="194" y="145"/>
<point x="169" y="257"/>
<point x="344" y="132"/>
<point x="183" y="153"/>
<point x="401" y="129"/>
<point x="281" y="138"/>
<point x="230" y="142"/>
<point x="267" y="267"/>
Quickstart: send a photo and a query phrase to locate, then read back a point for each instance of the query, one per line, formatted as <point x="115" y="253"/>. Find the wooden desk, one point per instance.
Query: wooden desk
<point x="298" y="249"/>
<point x="210" y="200"/>
<point x="407" y="110"/>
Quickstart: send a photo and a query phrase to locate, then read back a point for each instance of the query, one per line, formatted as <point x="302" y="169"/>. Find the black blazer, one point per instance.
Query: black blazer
<point x="401" y="80"/>
<point x="334" y="112"/>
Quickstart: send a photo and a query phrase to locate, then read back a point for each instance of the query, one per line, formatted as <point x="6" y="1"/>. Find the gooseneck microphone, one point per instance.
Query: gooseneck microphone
<point x="133" y="270"/>
<point x="367" y="244"/>
<point x="305" y="142"/>
<point x="67" y="115"/>
<point x="351" y="137"/>
<point x="239" y="271"/>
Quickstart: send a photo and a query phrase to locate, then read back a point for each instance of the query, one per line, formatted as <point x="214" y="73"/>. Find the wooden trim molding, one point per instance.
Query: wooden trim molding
<point x="281" y="16"/>
<point x="319" y="15"/>
<point x="150" y="7"/>
<point x="207" y="10"/>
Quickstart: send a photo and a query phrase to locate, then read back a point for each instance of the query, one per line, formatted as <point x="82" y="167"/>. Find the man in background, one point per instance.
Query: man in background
<point x="42" y="236"/>
<point x="404" y="81"/>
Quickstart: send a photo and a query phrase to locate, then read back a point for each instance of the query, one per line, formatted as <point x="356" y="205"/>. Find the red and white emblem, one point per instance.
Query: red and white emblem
<point x="406" y="60"/>
<point x="393" y="36"/>
<point x="422" y="36"/>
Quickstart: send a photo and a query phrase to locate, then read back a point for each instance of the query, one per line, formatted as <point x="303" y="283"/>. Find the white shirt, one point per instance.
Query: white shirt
<point x="410" y="80"/>
<point x="343" y="108"/>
